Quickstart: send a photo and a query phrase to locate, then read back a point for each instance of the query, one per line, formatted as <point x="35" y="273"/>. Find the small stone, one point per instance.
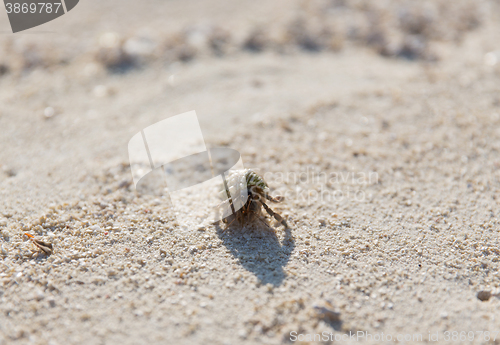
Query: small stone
<point x="49" y="112"/>
<point x="491" y="59"/>
<point x="85" y="317"/>
<point x="101" y="91"/>
<point x="242" y="333"/>
<point x="139" y="46"/>
<point x="327" y="314"/>
<point x="5" y="252"/>
<point x="171" y="80"/>
<point x="258" y="329"/>
<point x="109" y="40"/>
<point x="484" y="295"/>
<point x="39" y="295"/>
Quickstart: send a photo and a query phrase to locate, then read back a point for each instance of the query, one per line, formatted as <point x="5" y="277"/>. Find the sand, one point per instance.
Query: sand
<point x="389" y="166"/>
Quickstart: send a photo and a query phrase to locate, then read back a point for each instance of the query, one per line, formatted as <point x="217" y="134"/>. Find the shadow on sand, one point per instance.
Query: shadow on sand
<point x="259" y="250"/>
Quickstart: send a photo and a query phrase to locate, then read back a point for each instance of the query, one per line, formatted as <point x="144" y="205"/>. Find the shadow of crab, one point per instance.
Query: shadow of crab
<point x="259" y="250"/>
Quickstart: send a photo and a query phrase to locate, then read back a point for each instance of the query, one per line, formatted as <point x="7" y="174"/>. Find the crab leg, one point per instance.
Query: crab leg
<point x="275" y="215"/>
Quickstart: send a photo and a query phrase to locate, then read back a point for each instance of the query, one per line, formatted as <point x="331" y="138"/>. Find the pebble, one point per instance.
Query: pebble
<point x="100" y="91"/>
<point x="49" y="112"/>
<point x="39" y="295"/>
<point x="491" y="59"/>
<point x="109" y="40"/>
<point x="484" y="295"/>
<point x="139" y="46"/>
<point x="326" y="314"/>
<point x="242" y="333"/>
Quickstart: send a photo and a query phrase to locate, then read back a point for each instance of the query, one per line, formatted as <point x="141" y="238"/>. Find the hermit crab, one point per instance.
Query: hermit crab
<point x="247" y="193"/>
<point x="44" y="247"/>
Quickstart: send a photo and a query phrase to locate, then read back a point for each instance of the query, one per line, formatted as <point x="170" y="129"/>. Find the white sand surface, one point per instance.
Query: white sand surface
<point x="390" y="168"/>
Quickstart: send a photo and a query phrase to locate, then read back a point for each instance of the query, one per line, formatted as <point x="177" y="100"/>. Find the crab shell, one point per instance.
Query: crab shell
<point x="239" y="184"/>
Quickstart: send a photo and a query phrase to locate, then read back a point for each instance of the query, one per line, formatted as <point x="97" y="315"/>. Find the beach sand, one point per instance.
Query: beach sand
<point x="388" y="153"/>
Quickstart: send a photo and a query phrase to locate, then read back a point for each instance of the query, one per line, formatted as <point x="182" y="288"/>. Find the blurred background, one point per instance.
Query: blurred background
<point x="407" y="89"/>
<point x="74" y="90"/>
